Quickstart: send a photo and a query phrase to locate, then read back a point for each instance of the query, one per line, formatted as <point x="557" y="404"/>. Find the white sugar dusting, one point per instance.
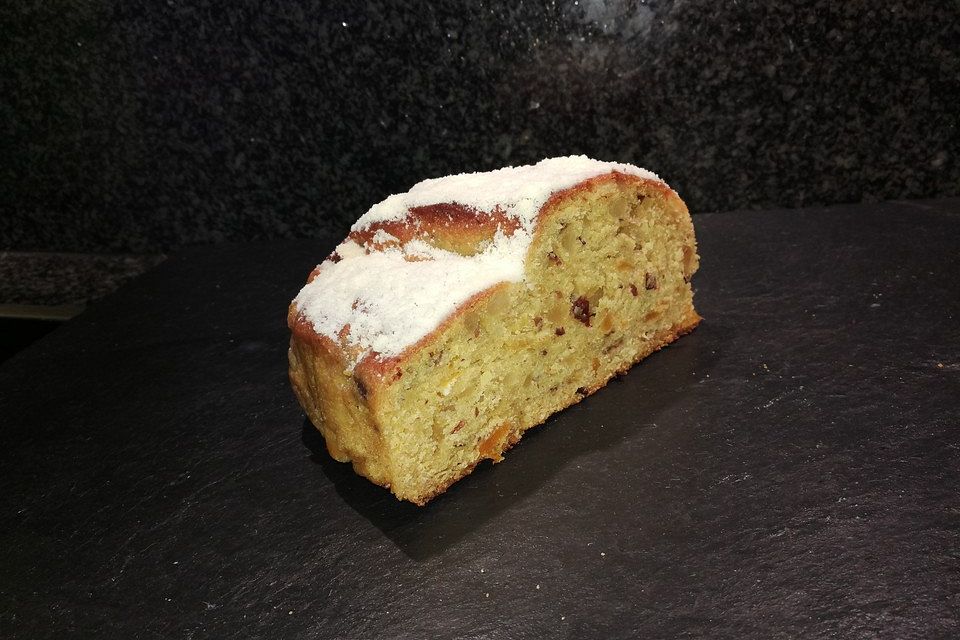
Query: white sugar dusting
<point x="380" y="237"/>
<point x="391" y="301"/>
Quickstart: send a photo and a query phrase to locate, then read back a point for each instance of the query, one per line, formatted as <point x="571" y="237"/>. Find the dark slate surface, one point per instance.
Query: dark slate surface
<point x="788" y="470"/>
<point x="139" y="126"/>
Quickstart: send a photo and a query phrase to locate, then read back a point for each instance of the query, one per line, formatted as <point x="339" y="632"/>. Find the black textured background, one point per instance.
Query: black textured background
<point x="139" y="126"/>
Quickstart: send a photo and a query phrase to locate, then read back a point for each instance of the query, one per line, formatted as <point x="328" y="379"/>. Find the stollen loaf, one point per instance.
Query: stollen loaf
<point x="456" y="316"/>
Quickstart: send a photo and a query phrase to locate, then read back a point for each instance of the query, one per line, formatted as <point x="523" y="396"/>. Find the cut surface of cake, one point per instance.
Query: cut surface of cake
<point x="459" y="314"/>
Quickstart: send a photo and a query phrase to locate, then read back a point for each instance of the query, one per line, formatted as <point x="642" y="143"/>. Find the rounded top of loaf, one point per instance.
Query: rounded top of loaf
<point x="519" y="191"/>
<point x="413" y="259"/>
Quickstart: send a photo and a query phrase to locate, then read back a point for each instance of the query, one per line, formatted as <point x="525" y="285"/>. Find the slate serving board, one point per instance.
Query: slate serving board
<point x="788" y="470"/>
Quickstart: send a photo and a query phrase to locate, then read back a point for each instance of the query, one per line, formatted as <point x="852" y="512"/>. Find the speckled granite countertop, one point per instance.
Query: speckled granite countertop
<point x="139" y="127"/>
<point x="66" y="280"/>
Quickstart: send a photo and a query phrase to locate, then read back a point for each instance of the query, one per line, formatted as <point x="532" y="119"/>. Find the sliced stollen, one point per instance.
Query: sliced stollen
<point x="456" y="316"/>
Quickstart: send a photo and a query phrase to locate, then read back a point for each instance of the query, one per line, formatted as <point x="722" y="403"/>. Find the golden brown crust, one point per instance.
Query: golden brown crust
<point x="331" y="398"/>
<point x="447" y="225"/>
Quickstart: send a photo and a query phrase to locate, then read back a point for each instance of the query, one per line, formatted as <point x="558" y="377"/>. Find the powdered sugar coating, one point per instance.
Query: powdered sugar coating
<point x="391" y="299"/>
